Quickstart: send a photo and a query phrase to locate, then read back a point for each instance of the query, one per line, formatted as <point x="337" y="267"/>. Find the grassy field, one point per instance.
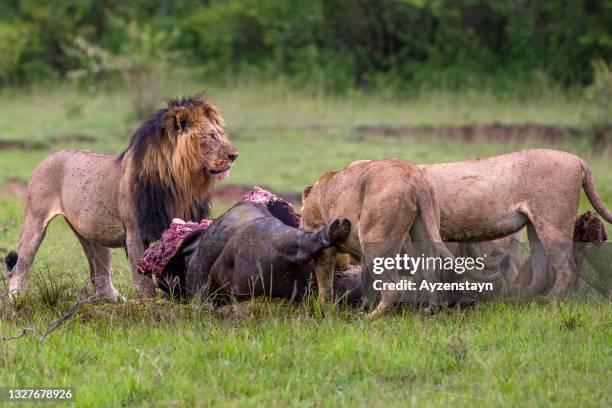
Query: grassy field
<point x="270" y="352"/>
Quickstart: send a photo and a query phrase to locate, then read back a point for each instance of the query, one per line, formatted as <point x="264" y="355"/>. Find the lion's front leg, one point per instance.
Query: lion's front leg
<point x="324" y="270"/>
<point x="135" y="249"/>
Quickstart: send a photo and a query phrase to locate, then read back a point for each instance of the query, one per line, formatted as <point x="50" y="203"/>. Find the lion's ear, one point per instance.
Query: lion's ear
<point x="180" y="118"/>
<point x="305" y="193"/>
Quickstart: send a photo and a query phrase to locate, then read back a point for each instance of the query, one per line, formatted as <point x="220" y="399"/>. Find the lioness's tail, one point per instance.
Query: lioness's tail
<point x="10" y="261"/>
<point x="589" y="188"/>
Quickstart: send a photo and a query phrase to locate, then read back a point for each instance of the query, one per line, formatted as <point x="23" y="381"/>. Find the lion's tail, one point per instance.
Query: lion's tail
<point x="10" y="261"/>
<point x="589" y="188"/>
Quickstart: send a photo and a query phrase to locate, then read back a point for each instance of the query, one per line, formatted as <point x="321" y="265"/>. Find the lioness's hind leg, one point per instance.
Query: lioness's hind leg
<point x="539" y="263"/>
<point x="99" y="259"/>
<point x="560" y="259"/>
<point x="380" y="281"/>
<point x="552" y="248"/>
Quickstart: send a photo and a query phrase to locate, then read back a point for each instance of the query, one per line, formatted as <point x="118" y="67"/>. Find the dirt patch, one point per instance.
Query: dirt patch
<point x="61" y="138"/>
<point x="72" y="137"/>
<point x="321" y="128"/>
<point x="22" y="145"/>
<point x="469" y="132"/>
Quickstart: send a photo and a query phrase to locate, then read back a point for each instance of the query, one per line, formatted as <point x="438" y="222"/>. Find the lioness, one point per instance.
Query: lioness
<point x="485" y="199"/>
<point x="110" y="201"/>
<point x="386" y="201"/>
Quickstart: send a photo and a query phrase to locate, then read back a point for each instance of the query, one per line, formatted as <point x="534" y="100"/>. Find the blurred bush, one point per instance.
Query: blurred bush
<point x="140" y="62"/>
<point x="600" y="94"/>
<point x="12" y="48"/>
<point x="336" y="44"/>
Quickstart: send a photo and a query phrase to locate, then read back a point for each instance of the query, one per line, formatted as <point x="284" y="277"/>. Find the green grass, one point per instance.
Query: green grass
<point x="272" y="353"/>
<point x="268" y="352"/>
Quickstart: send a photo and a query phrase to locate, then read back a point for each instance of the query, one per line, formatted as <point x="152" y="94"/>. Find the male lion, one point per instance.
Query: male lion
<point x="485" y="199"/>
<point x="127" y="200"/>
<point x="387" y="201"/>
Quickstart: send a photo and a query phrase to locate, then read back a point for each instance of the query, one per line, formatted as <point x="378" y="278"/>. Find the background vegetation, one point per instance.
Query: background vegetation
<point x="339" y="44"/>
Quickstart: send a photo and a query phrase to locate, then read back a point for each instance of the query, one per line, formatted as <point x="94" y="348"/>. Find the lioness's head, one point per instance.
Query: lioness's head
<point x="201" y="144"/>
<point x="589" y="228"/>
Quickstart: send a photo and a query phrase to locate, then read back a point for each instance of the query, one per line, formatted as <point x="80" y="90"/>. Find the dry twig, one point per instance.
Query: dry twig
<point x="59" y="321"/>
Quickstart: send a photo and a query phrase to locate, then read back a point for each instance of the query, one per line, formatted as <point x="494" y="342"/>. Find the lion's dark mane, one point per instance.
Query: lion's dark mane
<point x="153" y="200"/>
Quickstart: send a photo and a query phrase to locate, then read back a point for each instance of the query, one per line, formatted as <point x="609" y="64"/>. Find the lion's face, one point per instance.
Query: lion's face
<point x="218" y="154"/>
<point x="202" y="146"/>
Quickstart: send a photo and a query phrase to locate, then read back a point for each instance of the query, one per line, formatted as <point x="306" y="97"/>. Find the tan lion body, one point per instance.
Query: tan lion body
<point x="127" y="200"/>
<point x="485" y="199"/>
<point x="86" y="188"/>
<point x="387" y="201"/>
<point x="62" y="178"/>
